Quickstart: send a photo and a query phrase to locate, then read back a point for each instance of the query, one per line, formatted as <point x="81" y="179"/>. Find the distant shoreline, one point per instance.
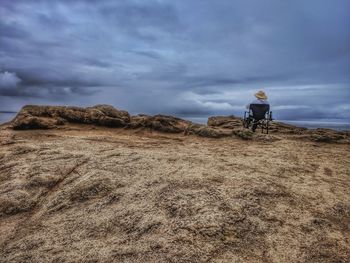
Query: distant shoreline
<point x="8" y="112"/>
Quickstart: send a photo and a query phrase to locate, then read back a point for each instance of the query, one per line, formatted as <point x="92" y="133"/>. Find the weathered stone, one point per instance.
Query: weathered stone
<point x="47" y="117"/>
<point x="30" y="122"/>
<point x="226" y="122"/>
<point x="211" y="132"/>
<point x="161" y="123"/>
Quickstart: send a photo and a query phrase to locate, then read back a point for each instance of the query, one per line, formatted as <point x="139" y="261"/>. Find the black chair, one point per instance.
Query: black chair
<point x="258" y="115"/>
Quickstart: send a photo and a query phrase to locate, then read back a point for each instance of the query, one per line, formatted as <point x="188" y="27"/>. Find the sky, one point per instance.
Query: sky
<point x="183" y="57"/>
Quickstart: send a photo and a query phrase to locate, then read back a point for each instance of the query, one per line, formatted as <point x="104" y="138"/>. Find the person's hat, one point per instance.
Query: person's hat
<point x="260" y="95"/>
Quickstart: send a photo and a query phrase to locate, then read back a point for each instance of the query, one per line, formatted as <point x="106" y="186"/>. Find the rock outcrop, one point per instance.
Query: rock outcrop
<point x="226" y="122"/>
<point x="162" y="123"/>
<point x="48" y="117"/>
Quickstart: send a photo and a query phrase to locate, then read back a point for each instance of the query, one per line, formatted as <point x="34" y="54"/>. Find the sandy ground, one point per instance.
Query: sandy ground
<point x="91" y="194"/>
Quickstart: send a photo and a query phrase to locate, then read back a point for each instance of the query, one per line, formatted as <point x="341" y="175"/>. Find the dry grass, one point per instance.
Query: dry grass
<point x="105" y="195"/>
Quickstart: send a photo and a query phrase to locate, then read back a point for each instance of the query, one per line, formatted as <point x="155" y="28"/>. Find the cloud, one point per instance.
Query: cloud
<point x="12" y="85"/>
<point x="179" y="57"/>
<point x="9" y="80"/>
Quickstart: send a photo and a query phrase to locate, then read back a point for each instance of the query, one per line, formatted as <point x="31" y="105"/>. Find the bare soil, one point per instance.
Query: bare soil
<point x="94" y="194"/>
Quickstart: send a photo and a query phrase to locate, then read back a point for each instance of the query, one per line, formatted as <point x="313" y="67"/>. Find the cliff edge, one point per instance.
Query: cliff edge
<point x="55" y="117"/>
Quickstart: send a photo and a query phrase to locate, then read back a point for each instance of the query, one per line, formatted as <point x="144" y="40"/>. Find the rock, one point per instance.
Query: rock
<point x="47" y="117"/>
<point x="169" y="124"/>
<point x="172" y="124"/>
<point x="106" y="115"/>
<point x="226" y="122"/>
<point x="139" y="121"/>
<point x="205" y="131"/>
<point x="285" y="128"/>
<point x="161" y="123"/>
<point x="30" y="122"/>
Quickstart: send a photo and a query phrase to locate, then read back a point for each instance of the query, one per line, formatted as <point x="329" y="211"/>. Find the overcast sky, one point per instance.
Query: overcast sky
<point x="184" y="57"/>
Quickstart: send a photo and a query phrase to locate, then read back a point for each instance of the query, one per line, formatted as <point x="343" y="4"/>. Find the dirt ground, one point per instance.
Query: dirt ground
<point x="88" y="194"/>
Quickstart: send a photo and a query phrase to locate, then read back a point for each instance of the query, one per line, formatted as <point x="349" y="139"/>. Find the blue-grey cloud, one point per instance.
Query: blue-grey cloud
<point x="197" y="57"/>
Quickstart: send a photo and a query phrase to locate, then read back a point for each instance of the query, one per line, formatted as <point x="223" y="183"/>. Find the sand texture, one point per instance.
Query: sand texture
<point x="86" y="193"/>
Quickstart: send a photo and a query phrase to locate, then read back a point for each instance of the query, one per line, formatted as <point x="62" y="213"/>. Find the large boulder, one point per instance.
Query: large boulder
<point x="170" y="124"/>
<point x="30" y="122"/>
<point x="163" y="123"/>
<point x="207" y="131"/>
<point x="280" y="127"/>
<point x="225" y="122"/>
<point x="106" y="115"/>
<point x="46" y="117"/>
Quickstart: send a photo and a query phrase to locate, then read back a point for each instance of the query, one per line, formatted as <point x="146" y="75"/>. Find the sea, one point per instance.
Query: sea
<point x="336" y="124"/>
<point x="6" y="116"/>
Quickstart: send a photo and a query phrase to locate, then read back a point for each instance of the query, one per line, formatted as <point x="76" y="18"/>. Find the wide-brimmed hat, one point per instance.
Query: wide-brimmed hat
<point x="260" y="95"/>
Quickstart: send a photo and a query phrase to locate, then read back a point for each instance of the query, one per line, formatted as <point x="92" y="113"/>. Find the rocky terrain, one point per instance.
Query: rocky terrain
<point x="53" y="117"/>
<point x="98" y="185"/>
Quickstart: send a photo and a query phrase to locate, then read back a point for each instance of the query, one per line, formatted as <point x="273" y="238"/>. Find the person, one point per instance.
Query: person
<point x="261" y="98"/>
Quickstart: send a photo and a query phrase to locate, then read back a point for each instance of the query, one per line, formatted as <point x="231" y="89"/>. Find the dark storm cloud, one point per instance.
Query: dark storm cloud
<point x="42" y="80"/>
<point x="12" y="31"/>
<point x="195" y="57"/>
<point x="54" y="92"/>
<point x="200" y="82"/>
<point x="149" y="54"/>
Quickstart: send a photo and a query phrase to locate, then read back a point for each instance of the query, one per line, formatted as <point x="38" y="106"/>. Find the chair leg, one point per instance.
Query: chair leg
<point x="247" y="122"/>
<point x="267" y="128"/>
<point x="255" y="125"/>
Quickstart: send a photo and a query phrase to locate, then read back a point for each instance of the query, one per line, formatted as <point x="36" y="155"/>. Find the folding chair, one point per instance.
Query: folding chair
<point x="258" y="115"/>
